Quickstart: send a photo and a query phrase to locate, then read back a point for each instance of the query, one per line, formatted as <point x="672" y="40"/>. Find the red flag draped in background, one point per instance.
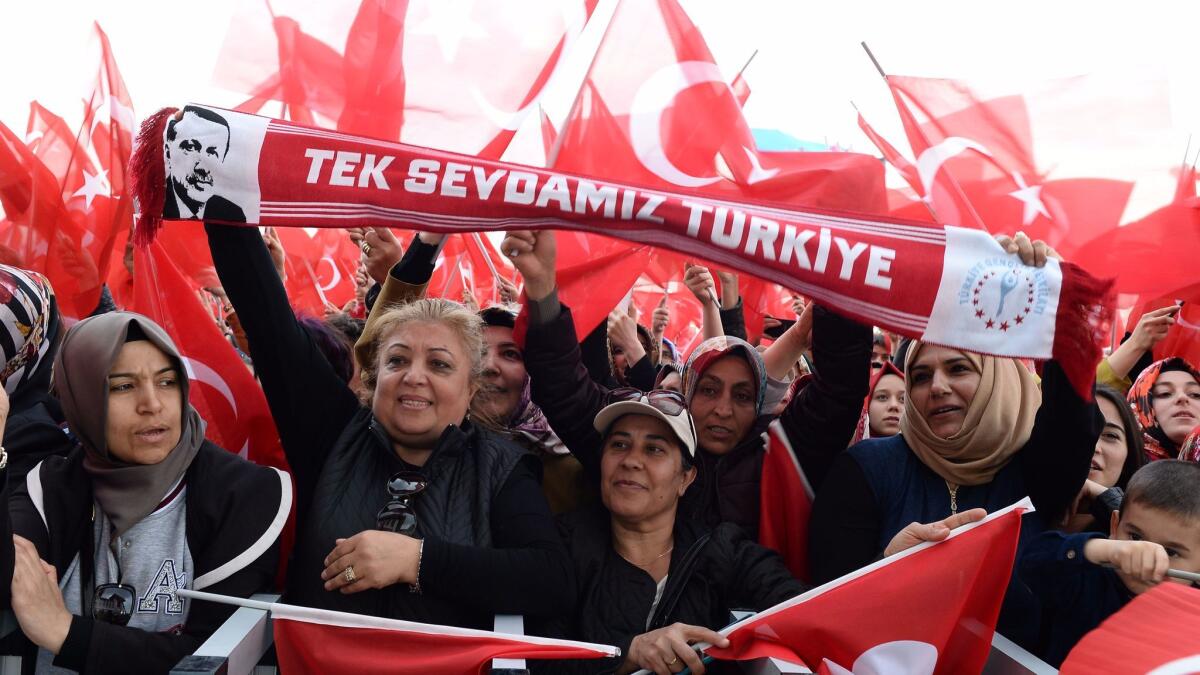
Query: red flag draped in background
<point x="655" y="110"/>
<point x="71" y="242"/>
<point x="932" y="608"/>
<point x="320" y="268"/>
<point x="39" y="233"/>
<point x="224" y="391"/>
<point x="1123" y="645"/>
<point x="448" y="75"/>
<point x="1077" y="184"/>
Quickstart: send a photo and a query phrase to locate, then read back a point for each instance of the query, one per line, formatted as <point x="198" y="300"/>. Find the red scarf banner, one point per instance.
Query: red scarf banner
<point x="950" y="286"/>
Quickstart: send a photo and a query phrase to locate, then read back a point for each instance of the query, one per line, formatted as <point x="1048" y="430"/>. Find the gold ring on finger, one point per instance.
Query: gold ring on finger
<point x="348" y="574"/>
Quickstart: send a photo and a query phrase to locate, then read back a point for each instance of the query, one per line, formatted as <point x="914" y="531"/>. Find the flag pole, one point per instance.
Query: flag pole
<point x="747" y="65"/>
<point x="928" y="204"/>
<point x="225" y="599"/>
<point x="1186" y="576"/>
<point x="953" y="181"/>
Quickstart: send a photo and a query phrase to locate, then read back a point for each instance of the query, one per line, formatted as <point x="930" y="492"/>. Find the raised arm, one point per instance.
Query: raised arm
<point x="310" y="403"/>
<point x="700" y="282"/>
<point x="820" y="419"/>
<point x="559" y="383"/>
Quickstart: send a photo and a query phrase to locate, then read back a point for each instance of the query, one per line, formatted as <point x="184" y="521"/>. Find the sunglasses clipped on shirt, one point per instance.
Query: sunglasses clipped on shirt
<point x="397" y="515"/>
<point x="113" y="603"/>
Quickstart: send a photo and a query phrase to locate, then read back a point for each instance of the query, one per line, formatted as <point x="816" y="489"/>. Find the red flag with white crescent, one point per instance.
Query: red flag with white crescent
<point x="929" y="610"/>
<point x="223" y="391"/>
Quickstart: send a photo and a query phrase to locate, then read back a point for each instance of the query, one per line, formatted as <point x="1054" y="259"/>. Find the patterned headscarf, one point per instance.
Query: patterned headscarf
<point x="712" y="349"/>
<point x="529" y="421"/>
<point x="1190" y="450"/>
<point x="29" y="314"/>
<point x="1157" y="445"/>
<point x="863" y="430"/>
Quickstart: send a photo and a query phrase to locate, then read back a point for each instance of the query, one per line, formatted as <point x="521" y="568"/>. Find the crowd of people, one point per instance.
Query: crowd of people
<point x="449" y="463"/>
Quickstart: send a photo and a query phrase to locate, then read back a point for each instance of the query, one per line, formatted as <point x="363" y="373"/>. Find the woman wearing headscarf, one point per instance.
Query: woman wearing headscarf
<point x="103" y="538"/>
<point x="976" y="432"/>
<point x="725" y="384"/>
<point x="651" y="581"/>
<point x="407" y="509"/>
<point x="1166" y="400"/>
<point x="29" y="341"/>
<point x="884" y="406"/>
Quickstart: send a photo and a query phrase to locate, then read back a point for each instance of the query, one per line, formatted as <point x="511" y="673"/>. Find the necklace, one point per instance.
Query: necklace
<point x="647" y="563"/>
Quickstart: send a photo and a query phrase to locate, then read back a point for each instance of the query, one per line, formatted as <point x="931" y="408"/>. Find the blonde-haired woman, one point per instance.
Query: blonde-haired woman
<point x="405" y="508"/>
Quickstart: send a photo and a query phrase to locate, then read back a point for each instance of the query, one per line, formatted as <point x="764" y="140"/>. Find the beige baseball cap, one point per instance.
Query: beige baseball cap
<point x="680" y="424"/>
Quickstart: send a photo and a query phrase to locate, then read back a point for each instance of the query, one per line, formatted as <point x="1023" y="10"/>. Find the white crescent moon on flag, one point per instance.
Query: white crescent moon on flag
<point x="337" y="274"/>
<point x="933" y="157"/>
<point x="1184" y="666"/>
<point x="902" y="657"/>
<point x="645" y="117"/>
<point x="574" y="17"/>
<point x="200" y="372"/>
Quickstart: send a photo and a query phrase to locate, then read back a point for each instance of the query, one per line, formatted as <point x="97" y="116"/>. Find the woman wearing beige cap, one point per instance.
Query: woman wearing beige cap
<point x="648" y="582"/>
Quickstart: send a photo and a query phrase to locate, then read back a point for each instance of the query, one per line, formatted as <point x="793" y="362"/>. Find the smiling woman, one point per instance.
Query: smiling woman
<point x="168" y="509"/>
<point x="408" y="509"/>
<point x="976" y="432"/>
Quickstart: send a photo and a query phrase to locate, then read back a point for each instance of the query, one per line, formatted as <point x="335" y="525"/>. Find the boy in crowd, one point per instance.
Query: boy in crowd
<point x="1083" y="578"/>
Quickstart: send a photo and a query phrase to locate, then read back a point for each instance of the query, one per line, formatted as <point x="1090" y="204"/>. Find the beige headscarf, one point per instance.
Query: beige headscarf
<point x="998" y="423"/>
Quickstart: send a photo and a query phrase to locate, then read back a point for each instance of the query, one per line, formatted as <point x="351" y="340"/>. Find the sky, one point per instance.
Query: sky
<point x="808" y="68"/>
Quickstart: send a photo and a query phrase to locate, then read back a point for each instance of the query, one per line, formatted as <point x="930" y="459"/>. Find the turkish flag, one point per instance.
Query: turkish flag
<point x="449" y="75"/>
<point x="223" y="390"/>
<point x="976" y="162"/>
<point x="320" y="265"/>
<point x="309" y="640"/>
<point x="1127" y="643"/>
<point x="930" y="609"/>
<point x="469" y="264"/>
<point x="1153" y="256"/>
<point x="655" y="110"/>
<point x="271" y="58"/>
<point x="684" y="329"/>
<point x="39" y="233"/>
<point x="785" y="503"/>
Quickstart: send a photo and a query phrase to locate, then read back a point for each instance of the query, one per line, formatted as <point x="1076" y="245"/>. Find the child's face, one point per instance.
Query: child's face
<point x="1180" y="538"/>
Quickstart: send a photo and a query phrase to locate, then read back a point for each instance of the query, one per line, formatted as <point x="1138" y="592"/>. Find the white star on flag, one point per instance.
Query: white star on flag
<point x="449" y="21"/>
<point x="93" y="185"/>
<point x="1032" y="198"/>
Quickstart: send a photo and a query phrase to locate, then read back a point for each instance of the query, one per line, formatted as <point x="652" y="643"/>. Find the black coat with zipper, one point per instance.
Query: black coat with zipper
<point x="712" y="572"/>
<point x="235" y="513"/>
<point x="819" y="420"/>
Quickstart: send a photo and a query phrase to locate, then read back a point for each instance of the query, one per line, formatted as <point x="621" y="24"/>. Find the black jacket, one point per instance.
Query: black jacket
<point x="490" y="543"/>
<point x="712" y="572"/>
<point x="819" y="421"/>
<point x="235" y="513"/>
